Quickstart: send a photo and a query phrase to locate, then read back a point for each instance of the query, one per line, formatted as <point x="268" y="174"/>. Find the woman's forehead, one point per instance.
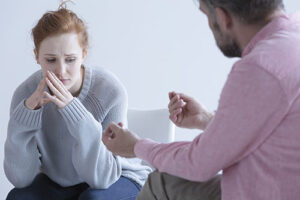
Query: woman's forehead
<point x="66" y="43"/>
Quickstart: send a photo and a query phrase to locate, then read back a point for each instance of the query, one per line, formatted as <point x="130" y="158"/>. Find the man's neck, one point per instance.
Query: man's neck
<point x="245" y="32"/>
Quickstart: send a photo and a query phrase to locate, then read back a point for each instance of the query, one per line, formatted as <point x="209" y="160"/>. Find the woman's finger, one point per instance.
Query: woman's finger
<point x="45" y="101"/>
<point x="53" y="99"/>
<point x="56" y="83"/>
<point x="54" y="90"/>
<point x="42" y="85"/>
<point x="63" y="87"/>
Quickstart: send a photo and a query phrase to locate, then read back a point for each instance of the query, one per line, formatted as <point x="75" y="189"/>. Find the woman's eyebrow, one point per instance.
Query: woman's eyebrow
<point x="71" y="54"/>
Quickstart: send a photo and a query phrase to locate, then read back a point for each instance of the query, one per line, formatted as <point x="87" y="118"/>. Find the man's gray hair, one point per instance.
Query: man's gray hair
<point x="248" y="11"/>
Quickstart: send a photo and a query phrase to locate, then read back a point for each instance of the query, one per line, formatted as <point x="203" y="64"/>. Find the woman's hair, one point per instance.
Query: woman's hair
<point x="57" y="22"/>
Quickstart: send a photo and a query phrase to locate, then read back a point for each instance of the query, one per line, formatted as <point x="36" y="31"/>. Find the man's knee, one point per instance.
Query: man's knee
<point x="147" y="191"/>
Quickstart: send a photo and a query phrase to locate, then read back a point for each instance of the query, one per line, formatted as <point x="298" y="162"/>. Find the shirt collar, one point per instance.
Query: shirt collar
<point x="275" y="25"/>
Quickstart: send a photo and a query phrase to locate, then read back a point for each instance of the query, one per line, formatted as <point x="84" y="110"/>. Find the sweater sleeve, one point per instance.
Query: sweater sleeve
<point x="93" y="162"/>
<point x="251" y="106"/>
<point x="21" y="162"/>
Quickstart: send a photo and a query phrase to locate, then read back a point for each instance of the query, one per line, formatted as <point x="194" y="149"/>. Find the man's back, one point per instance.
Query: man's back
<point x="272" y="169"/>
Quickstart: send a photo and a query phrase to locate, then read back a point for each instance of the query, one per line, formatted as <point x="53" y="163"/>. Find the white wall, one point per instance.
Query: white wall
<point x="153" y="46"/>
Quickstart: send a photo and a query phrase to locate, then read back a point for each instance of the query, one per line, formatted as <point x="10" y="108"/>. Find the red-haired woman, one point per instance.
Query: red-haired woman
<point x="53" y="148"/>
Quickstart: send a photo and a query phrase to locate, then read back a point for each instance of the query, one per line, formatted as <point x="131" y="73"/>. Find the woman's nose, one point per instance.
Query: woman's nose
<point x="60" y="69"/>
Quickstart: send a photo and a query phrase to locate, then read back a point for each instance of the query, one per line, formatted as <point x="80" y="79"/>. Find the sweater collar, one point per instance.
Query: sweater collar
<point x="86" y="83"/>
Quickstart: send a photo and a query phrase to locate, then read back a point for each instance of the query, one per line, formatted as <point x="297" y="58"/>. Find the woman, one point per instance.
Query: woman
<point x="53" y="148"/>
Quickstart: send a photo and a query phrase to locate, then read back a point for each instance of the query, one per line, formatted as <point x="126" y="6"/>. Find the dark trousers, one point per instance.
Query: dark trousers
<point x="43" y="188"/>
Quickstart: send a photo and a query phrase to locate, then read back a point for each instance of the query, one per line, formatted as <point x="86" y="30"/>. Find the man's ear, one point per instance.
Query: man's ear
<point x="36" y="56"/>
<point x="224" y="19"/>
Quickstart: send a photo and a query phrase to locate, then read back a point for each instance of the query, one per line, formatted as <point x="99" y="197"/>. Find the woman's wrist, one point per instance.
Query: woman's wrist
<point x="30" y="105"/>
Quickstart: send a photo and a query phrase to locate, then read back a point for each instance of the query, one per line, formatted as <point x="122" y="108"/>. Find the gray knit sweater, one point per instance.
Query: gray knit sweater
<point x="65" y="144"/>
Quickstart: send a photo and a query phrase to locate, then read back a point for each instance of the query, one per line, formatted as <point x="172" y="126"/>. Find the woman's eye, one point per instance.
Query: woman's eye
<point x="70" y="60"/>
<point x="51" y="60"/>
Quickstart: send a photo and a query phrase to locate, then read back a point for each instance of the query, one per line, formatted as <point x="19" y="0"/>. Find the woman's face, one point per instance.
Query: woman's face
<point x="63" y="55"/>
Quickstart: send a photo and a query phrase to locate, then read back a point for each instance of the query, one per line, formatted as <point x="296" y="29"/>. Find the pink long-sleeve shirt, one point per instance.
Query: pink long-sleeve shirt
<point x="254" y="136"/>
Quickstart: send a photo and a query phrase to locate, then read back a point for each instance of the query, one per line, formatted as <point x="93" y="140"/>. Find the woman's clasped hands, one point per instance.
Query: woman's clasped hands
<point x="59" y="94"/>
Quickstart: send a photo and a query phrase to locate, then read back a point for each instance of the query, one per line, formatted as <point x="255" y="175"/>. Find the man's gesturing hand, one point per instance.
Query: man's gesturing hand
<point x="120" y="141"/>
<point x="186" y="112"/>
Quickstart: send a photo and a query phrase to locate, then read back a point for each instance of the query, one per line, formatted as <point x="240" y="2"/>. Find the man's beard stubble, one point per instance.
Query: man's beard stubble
<point x="226" y="44"/>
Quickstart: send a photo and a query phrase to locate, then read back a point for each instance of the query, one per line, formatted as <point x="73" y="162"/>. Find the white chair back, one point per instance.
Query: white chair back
<point x="152" y="124"/>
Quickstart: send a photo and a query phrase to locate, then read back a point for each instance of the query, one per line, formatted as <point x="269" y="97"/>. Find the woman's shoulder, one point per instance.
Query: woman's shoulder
<point x="26" y="88"/>
<point x="105" y="82"/>
<point x="102" y="75"/>
<point x="30" y="84"/>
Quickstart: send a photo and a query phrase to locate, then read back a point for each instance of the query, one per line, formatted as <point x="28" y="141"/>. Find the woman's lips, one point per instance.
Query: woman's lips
<point x="64" y="81"/>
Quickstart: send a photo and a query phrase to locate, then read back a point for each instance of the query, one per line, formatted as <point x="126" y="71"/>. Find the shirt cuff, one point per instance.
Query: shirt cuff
<point x="143" y="148"/>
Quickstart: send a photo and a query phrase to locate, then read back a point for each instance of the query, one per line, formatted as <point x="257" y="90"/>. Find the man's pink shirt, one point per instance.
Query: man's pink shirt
<point x="254" y="136"/>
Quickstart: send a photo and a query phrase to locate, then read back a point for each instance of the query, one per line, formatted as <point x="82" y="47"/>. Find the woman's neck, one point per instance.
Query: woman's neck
<point x="82" y="72"/>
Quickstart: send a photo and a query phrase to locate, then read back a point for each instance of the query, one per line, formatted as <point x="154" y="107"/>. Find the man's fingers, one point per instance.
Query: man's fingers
<point x="176" y="105"/>
<point x="105" y="137"/>
<point x="173" y="101"/>
<point x="185" y="97"/>
<point x="174" y="114"/>
<point x="111" y="131"/>
<point x="108" y="133"/>
<point x="171" y="94"/>
<point x="114" y="127"/>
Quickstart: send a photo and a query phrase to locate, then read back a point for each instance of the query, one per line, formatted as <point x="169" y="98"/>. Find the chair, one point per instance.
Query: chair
<point x="152" y="124"/>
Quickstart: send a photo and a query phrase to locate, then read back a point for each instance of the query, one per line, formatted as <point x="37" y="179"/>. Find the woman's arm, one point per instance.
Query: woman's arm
<point x="21" y="162"/>
<point x="93" y="162"/>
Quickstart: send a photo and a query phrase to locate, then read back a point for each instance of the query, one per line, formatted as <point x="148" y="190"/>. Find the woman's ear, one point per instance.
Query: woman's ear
<point x="36" y="56"/>
<point x="224" y="19"/>
<point x="84" y="54"/>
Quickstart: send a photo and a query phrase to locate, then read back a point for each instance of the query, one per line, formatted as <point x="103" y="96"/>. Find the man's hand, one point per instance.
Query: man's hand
<point x="186" y="112"/>
<point x="120" y="141"/>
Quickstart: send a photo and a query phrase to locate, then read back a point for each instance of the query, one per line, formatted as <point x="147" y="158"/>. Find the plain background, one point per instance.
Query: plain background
<point x="153" y="47"/>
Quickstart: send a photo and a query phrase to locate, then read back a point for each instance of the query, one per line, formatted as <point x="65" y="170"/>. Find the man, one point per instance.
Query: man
<point x="254" y="135"/>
